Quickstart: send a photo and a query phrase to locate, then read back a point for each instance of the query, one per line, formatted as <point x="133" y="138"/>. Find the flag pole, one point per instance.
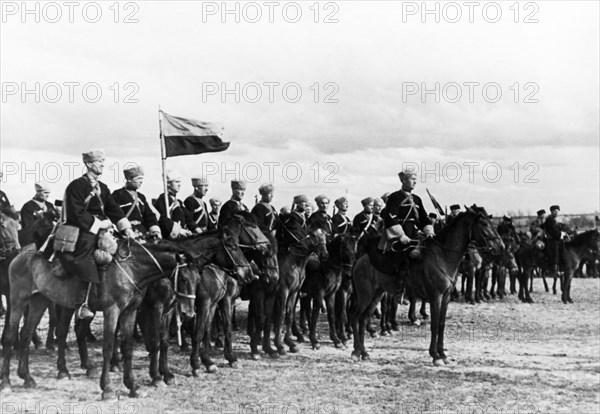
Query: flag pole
<point x="164" y="162"/>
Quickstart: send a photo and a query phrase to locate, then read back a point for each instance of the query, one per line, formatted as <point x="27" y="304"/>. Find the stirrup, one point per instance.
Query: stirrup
<point x="84" y="312"/>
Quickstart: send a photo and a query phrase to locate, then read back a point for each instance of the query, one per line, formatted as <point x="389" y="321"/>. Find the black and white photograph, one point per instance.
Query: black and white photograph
<point x="312" y="207"/>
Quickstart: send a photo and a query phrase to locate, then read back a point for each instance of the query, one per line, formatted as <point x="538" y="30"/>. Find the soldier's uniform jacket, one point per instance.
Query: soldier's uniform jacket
<point x="407" y="210"/>
<point x="341" y="224"/>
<point x="179" y="215"/>
<point x="266" y="217"/>
<point x="299" y="218"/>
<point x="197" y="207"/>
<point x="141" y="217"/>
<point x="30" y="213"/>
<point x="230" y="207"/>
<point x="551" y="228"/>
<point x="213" y="221"/>
<point x="507" y="230"/>
<point x="4" y="203"/>
<point x="101" y="205"/>
<point x="554" y="245"/>
<point x="321" y="220"/>
<point x="536" y="227"/>
<point x="363" y="223"/>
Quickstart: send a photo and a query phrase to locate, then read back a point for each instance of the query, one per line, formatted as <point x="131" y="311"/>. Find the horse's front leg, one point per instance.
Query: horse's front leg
<point x="149" y="319"/>
<point x="314" y="318"/>
<point x="111" y="317"/>
<point x="412" y="315"/>
<point x="266" y="320"/>
<point x="330" y="303"/>
<point x="435" y="304"/>
<point x="37" y="306"/>
<point x="63" y="316"/>
<point x="163" y="364"/>
<point x="202" y="314"/>
<point x="127" y="322"/>
<point x="226" y="312"/>
<point x="279" y="315"/>
<point x="442" y="327"/>
<point x="9" y="337"/>
<point x="208" y="363"/>
<point x="289" y="319"/>
<point x="82" y="329"/>
<point x="52" y="321"/>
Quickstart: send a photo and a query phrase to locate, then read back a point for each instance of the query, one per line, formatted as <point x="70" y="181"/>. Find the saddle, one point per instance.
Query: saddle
<point x="390" y="262"/>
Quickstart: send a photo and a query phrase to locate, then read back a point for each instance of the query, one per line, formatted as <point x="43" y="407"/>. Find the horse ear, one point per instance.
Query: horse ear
<point x="469" y="209"/>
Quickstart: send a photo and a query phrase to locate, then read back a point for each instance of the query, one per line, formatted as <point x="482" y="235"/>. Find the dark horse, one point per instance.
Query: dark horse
<point x="581" y="247"/>
<point x="296" y="244"/>
<point x="323" y="282"/>
<point x="35" y="282"/>
<point x="433" y="277"/>
<point x="9" y="248"/>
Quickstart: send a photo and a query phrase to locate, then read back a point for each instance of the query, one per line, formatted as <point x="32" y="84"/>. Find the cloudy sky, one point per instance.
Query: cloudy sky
<point x="495" y="105"/>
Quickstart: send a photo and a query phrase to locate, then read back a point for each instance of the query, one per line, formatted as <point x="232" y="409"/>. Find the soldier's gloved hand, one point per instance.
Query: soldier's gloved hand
<point x="198" y="230"/>
<point x="106" y="224"/>
<point x="404" y="239"/>
<point x="563" y="235"/>
<point x="129" y="233"/>
<point x="184" y="233"/>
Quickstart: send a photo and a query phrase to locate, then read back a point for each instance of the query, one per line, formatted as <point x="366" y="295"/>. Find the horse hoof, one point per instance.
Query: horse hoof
<point x="300" y="338"/>
<point x="108" y="394"/>
<point x="255" y="356"/>
<point x="212" y="369"/>
<point x="570" y="300"/>
<point x="446" y="361"/>
<point x="158" y="383"/>
<point x="195" y="372"/>
<point x="294" y="349"/>
<point x="281" y="351"/>
<point x="62" y="375"/>
<point x="29" y="383"/>
<point x="218" y="343"/>
<point x="366" y="357"/>
<point x="416" y="323"/>
<point x="355" y="356"/>
<point x="169" y="379"/>
<point x="339" y="345"/>
<point x="384" y="333"/>
<point x="374" y="335"/>
<point x="5" y="386"/>
<point x="234" y="364"/>
<point x="438" y="363"/>
<point x="275" y="355"/>
<point x="316" y="346"/>
<point x="91" y="372"/>
<point x="136" y="393"/>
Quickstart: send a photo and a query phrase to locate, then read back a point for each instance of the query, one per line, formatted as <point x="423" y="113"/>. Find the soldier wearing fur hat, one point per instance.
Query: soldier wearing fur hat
<point x="320" y="218"/>
<point x="90" y="206"/>
<point x="36" y="208"/>
<point x="234" y="204"/>
<point x="213" y="216"/>
<point x="197" y="206"/>
<point x="404" y="212"/>
<point x="266" y="215"/>
<point x="179" y="222"/>
<point x="298" y="213"/>
<point x="506" y="229"/>
<point x="555" y="248"/>
<point x="454" y="210"/>
<point x="341" y="223"/>
<point x="4" y="203"/>
<point x="364" y="220"/>
<point x="536" y="227"/>
<point x="135" y="205"/>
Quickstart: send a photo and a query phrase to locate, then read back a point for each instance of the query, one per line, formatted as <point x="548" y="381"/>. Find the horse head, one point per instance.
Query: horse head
<point x="244" y="225"/>
<point x="316" y="242"/>
<point x="185" y="278"/>
<point x="237" y="264"/>
<point x="483" y="233"/>
<point x="342" y="248"/>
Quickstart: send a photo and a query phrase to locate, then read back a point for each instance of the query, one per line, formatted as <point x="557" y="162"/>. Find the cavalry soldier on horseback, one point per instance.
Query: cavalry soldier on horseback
<point x="135" y="205"/>
<point x="89" y="205"/>
<point x="341" y="223"/>
<point x="363" y="221"/>
<point x="438" y="223"/>
<point x="298" y="213"/>
<point x="536" y="227"/>
<point x="4" y="203"/>
<point x="555" y="247"/>
<point x="265" y="213"/>
<point x="197" y="206"/>
<point x="234" y="204"/>
<point x="454" y="210"/>
<point x="179" y="223"/>
<point x="213" y="216"/>
<point x="404" y="212"/>
<point x="320" y="218"/>
<point x="506" y="229"/>
<point x="33" y="210"/>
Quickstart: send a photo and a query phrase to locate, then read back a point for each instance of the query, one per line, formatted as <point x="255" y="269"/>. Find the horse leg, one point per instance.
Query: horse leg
<point x="317" y="300"/>
<point x="436" y="304"/>
<point x="52" y="320"/>
<point x="476" y="274"/>
<point x="366" y="314"/>
<point x="513" y="282"/>
<point x="305" y="317"/>
<point x="163" y="363"/>
<point x="266" y="322"/>
<point x="289" y="318"/>
<point x="423" y="310"/>
<point x="330" y="303"/>
<point x="279" y="314"/>
<point x="341" y="319"/>
<point x="208" y="363"/>
<point x="502" y="271"/>
<point x="554" y="276"/>
<point x="469" y="275"/>
<point x="127" y="322"/>
<point x="526" y="295"/>
<point x="82" y="329"/>
<point x="484" y="281"/>
<point x="202" y="314"/>
<point x="494" y="271"/>
<point x="148" y="318"/>
<point x="63" y="316"/>
<point x="442" y="327"/>
<point x="253" y="326"/>
<point x="226" y="312"/>
<point x="412" y="316"/>
<point x="37" y="306"/>
<point x="383" y="321"/>
<point x="111" y="317"/>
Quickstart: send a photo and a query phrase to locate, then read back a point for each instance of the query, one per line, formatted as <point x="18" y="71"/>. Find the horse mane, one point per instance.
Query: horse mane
<point x="166" y="246"/>
<point x="479" y="211"/>
<point x="585" y="238"/>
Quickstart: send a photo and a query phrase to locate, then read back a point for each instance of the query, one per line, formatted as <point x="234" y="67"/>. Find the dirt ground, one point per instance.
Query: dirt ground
<point x="507" y="357"/>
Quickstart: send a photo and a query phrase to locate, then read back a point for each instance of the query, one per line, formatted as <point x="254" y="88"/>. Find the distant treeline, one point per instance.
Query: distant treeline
<point x="579" y="222"/>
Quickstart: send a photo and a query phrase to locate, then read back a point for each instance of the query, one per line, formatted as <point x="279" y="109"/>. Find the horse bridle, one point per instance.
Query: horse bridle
<point x="256" y="244"/>
<point x="230" y="255"/>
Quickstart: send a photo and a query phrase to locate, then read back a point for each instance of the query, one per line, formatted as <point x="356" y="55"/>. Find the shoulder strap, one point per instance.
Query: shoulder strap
<point x="134" y="205"/>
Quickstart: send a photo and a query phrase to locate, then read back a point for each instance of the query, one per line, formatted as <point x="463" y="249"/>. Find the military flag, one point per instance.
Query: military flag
<point x="436" y="204"/>
<point x="183" y="136"/>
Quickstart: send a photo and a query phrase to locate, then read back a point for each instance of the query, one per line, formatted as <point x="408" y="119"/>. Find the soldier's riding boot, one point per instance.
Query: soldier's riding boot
<point x="84" y="311"/>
